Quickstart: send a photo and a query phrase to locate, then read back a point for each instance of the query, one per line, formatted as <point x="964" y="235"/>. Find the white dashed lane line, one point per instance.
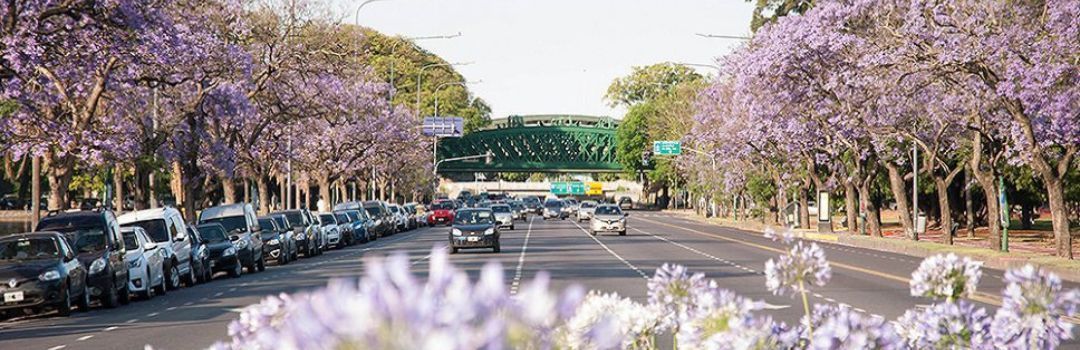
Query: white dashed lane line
<point x="521" y="260"/>
<point x="85" y="337"/>
<point x="612" y="252"/>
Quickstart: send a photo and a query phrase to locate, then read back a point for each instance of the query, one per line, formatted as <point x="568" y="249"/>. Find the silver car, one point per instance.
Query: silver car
<point x="146" y="267"/>
<point x="585" y="210"/>
<point x="608" y="218"/>
<point x="504" y="215"/>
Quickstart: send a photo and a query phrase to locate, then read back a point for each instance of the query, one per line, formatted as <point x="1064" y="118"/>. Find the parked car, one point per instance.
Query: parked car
<point x="329" y="225"/>
<point x="200" y="255"/>
<point x="585" y="210"/>
<point x="442" y="212"/>
<point x="474" y="228"/>
<point x="398" y="217"/>
<point x="345" y="226"/>
<point x="504" y="216"/>
<point x="608" y="218"/>
<point x="410" y="215"/>
<point x="224" y="256"/>
<point x="94" y="235"/>
<point x="277" y="240"/>
<point x="41" y="270"/>
<point x="305" y="231"/>
<point x="355" y="230"/>
<point x="553" y="209"/>
<point x="11" y="202"/>
<point x="146" y="263"/>
<point x="420" y="214"/>
<point x="167" y="228"/>
<point x="286" y="227"/>
<point x="625" y="203"/>
<point x="322" y="239"/>
<point x="243" y="229"/>
<point x="384" y="225"/>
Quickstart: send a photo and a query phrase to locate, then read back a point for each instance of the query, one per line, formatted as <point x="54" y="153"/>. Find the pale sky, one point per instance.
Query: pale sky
<point x="558" y="56"/>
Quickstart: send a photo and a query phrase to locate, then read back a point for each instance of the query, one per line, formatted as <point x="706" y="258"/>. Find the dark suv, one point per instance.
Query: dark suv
<point x="95" y="237"/>
<point x="243" y="229"/>
<point x="304" y="229"/>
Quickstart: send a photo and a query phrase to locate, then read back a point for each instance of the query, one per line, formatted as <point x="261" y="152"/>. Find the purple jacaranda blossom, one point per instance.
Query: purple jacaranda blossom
<point x="946" y="325"/>
<point x="946" y="276"/>
<point x="1033" y="310"/>
<point x="801" y="267"/>
<point x="676" y="291"/>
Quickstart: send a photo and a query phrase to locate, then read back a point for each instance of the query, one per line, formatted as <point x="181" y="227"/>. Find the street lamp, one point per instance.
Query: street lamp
<point x="488" y="158"/>
<point x="420" y="76"/>
<point x="721" y="36"/>
<point x="713" y="66"/>
<point x="356" y="17"/>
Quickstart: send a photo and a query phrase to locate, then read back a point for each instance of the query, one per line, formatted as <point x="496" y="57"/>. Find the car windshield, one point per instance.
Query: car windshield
<point x="442" y="206"/>
<point x="500" y="208"/>
<point x="553" y="204"/>
<point x="372" y="211"/>
<point x="327" y="219"/>
<point x="233" y="224"/>
<point x="281" y="221"/>
<point x="154" y="228"/>
<point x="472" y="217"/>
<point x="28" y="249"/>
<point x="84" y="239"/>
<point x="266" y="224"/>
<point x="353" y="215"/>
<point x="295" y="219"/>
<point x="341" y="217"/>
<point x="608" y="210"/>
<point x="212" y="233"/>
<point x="588" y="204"/>
<point x="130" y="240"/>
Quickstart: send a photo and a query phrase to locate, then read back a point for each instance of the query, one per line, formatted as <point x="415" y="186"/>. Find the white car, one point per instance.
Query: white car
<point x="401" y="221"/>
<point x="585" y="210"/>
<point x="330" y="227"/>
<point x="145" y="261"/>
<point x="608" y="218"/>
<point x="166" y="227"/>
<point x="504" y="215"/>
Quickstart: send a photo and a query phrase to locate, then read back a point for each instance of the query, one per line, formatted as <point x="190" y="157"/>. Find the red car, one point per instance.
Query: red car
<point x="442" y="212"/>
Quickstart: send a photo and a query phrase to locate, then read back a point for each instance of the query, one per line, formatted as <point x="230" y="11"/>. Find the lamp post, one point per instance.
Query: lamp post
<point x="488" y="157"/>
<point x="420" y="76"/>
<point x="722" y="36"/>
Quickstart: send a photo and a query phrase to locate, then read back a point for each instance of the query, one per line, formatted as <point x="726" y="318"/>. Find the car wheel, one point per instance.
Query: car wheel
<point x="173" y="277"/>
<point x="622" y="233"/>
<point x="453" y="250"/>
<point x="497" y="248"/>
<point x="84" y="301"/>
<point x="237" y="270"/>
<point x="189" y="279"/>
<point x="592" y="232"/>
<point x="111" y="299"/>
<point x="125" y="295"/>
<point x="148" y="293"/>
<point x="64" y="306"/>
<point x="262" y="263"/>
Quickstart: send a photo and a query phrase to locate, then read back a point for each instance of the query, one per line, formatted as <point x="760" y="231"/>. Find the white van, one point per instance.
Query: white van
<point x="166" y="227"/>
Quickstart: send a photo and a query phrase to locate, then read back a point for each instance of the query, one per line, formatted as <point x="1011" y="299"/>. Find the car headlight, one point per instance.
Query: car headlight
<point x="50" y="275"/>
<point x="455" y="232"/>
<point x="274" y="241"/>
<point x="241" y="244"/>
<point x="97" y="266"/>
<point x="489" y="232"/>
<point x="230" y="251"/>
<point x="134" y="263"/>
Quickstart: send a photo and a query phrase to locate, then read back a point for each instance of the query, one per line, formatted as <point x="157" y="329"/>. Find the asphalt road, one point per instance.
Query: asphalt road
<point x="193" y="318"/>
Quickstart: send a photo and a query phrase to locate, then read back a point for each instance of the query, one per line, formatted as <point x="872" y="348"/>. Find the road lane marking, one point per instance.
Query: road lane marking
<point x="152" y="314"/>
<point x="612" y="252"/>
<point x="521" y="260"/>
<point x="131" y="321"/>
<point x="85" y="337"/>
<point x="111" y="328"/>
<point x="58" y="347"/>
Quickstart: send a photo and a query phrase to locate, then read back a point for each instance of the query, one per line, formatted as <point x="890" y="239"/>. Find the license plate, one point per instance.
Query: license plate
<point x="13" y="297"/>
<point x="474" y="239"/>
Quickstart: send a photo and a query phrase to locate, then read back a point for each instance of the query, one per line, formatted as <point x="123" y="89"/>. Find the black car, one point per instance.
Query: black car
<point x="94" y="235"/>
<point x="200" y="256"/>
<point x="40" y="270"/>
<point x="12" y="203"/>
<point x="474" y="228"/>
<point x="305" y="231"/>
<point x="553" y="209"/>
<point x="276" y="240"/>
<point x="221" y="250"/>
<point x="243" y="228"/>
<point x="285" y="226"/>
<point x="384" y="224"/>
<point x="533" y="204"/>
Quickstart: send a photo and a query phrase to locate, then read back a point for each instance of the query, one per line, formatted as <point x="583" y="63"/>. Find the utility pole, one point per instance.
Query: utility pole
<point x="915" y="194"/>
<point x="35" y="191"/>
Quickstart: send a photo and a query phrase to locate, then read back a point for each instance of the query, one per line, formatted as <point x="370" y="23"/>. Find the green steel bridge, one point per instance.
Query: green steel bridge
<point x="536" y="143"/>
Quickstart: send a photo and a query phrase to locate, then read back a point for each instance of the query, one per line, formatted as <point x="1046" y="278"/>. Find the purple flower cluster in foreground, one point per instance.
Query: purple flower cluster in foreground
<point x="390" y="308"/>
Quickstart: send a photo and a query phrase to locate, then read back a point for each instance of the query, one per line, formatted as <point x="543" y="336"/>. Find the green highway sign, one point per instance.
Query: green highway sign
<point x="667" y="148"/>
<point x="561" y="188"/>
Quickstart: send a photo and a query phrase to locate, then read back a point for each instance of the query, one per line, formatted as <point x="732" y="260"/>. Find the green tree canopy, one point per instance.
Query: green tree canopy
<point x="648" y="82"/>
<point x="766" y="11"/>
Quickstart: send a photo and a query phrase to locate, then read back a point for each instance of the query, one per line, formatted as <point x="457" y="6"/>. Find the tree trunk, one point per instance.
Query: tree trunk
<point x="141" y="186"/>
<point x="228" y="189"/>
<point x="60" y="173"/>
<point x="1055" y="190"/>
<point x="969" y="205"/>
<point x="873" y="216"/>
<point x="247" y="191"/>
<point x="118" y="185"/>
<point x="804" y="207"/>
<point x="35" y="192"/>
<point x="851" y="207"/>
<point x="900" y="193"/>
<point x="945" y="205"/>
<point x="993" y="210"/>
<point x="264" y="194"/>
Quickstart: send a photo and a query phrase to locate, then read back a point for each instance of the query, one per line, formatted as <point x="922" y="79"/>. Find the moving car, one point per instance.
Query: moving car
<point x="329" y="224"/>
<point x="533" y="204"/>
<point x="553" y="209"/>
<point x="571" y="206"/>
<point x="504" y="216"/>
<point x="520" y="212"/>
<point x="242" y="227"/>
<point x="277" y="240"/>
<point x="585" y="210"/>
<point x="305" y="232"/>
<point x="474" y="228"/>
<point x="442" y="212"/>
<point x="94" y="236"/>
<point x="625" y="203"/>
<point x="146" y="263"/>
<point x="167" y="228"/>
<point x="223" y="253"/>
<point x="608" y="218"/>
<point x="39" y="270"/>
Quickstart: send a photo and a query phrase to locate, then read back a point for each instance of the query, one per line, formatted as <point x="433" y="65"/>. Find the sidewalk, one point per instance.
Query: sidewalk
<point x="1025" y="246"/>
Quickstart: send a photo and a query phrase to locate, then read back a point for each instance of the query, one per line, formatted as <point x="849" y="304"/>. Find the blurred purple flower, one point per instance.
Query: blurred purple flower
<point x="1033" y="310"/>
<point x="802" y="265"/>
<point x="946" y="325"/>
<point x="676" y="292"/>
<point x="946" y="276"/>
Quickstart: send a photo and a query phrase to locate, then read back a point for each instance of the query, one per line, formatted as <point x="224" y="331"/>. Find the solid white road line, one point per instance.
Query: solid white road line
<point x="521" y="259"/>
<point x="85" y="337"/>
<point x="58" y="347"/>
<point x="612" y="252"/>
